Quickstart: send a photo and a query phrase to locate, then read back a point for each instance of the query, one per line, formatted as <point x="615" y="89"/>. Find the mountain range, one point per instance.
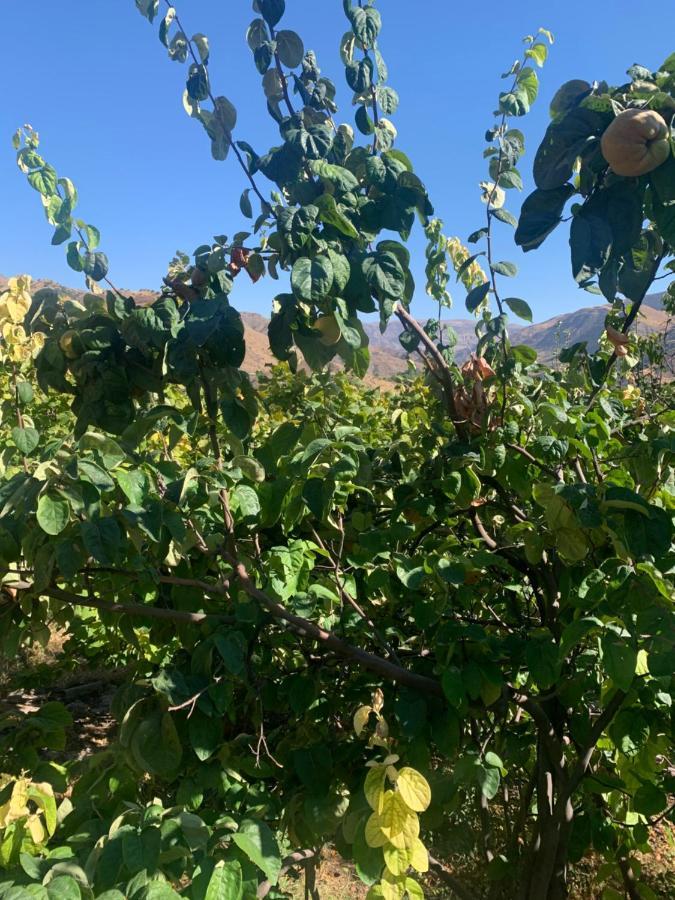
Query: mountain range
<point x="388" y="358"/>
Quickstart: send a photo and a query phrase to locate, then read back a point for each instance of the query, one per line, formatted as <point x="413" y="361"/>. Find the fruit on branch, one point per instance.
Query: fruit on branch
<point x="329" y="330"/>
<point x="636" y="142"/>
<point x="70" y="344"/>
<point x="618" y="340"/>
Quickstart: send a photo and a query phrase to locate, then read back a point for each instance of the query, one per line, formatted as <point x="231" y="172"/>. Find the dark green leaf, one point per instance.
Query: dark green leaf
<point x="519" y="307"/>
<point x="476" y="296"/>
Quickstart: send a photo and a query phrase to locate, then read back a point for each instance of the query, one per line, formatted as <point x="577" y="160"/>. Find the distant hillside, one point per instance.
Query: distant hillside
<point x="388" y="357"/>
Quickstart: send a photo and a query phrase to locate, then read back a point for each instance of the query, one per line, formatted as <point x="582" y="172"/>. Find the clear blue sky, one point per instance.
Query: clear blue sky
<point x="94" y="80"/>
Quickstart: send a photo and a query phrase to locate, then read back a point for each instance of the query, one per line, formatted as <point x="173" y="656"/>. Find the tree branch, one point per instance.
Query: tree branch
<point x="554" y="747"/>
<point x="130" y="609"/>
<point x="299" y="858"/>
<point x="443" y="374"/>
<point x="599" y="726"/>
<point x="462" y="892"/>
<point x="305" y="628"/>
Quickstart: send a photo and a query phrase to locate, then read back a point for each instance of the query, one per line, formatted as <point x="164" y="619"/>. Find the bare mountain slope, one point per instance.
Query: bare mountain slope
<point x="388" y="357"/>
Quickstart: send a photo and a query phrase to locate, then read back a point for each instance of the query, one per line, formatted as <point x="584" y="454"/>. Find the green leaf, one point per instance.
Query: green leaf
<point x="148" y="8"/>
<point x="272" y="10"/>
<point x="155" y="745"/>
<point x="591" y="243"/>
<point x="543" y="662"/>
<point x="290" y="48"/>
<point x="161" y="890"/>
<point x="453" y="687"/>
<point x="663" y="181"/>
<point x="366" y="24"/>
<point x="649" y="800"/>
<point x="312" y="279"/>
<point x="384" y="274"/>
<point x="134" y="483"/>
<point x="519" y="307"/>
<point x="250" y="467"/>
<point x="225" y="882"/>
<point x="246" y="501"/>
<point x="508" y="269"/>
<point x="197" y="84"/>
<point x="619" y="659"/>
<point x="541" y="213"/>
<point x="165" y="24"/>
<point x="360" y="75"/>
<point x="25" y="439"/>
<point x="387" y="98"/>
<point x="331" y="215"/>
<point x="257" y="33"/>
<point x="524" y="354"/>
<point x="337" y="177"/>
<point x="256" y="840"/>
<point x="232" y="648"/>
<point x="245" y="204"/>
<point x="101" y="539"/>
<point x="476" y="296"/>
<point x="564" y="141"/>
<point x="538" y="53"/>
<point x="63" y="887"/>
<point x="44" y="180"/>
<point x="510" y="179"/>
<point x="53" y="514"/>
<point x="95" y="265"/>
<point x="518" y="101"/>
<point x="206" y="734"/>
<point x="89" y="471"/>
<point x="488" y="779"/>
<point x="504" y="216"/>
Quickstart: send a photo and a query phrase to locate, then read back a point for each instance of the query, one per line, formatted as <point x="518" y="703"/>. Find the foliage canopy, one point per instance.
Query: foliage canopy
<point x="438" y="617"/>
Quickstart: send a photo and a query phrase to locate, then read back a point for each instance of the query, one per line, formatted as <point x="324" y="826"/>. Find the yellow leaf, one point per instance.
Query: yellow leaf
<point x="492" y="194"/>
<point x="395" y="815"/>
<point x="642" y="665"/>
<point x="19" y="799"/>
<point x="378" y="700"/>
<point x="392" y="888"/>
<point x="19" y="283"/>
<point x="419" y="858"/>
<point x="17" y="306"/>
<point x="396" y="859"/>
<point x="414" y="789"/>
<point x="375" y="837"/>
<point x="392" y="773"/>
<point x="409" y="834"/>
<point x="36" y="829"/>
<point x="413" y="889"/>
<point x="361" y="719"/>
<point x="374" y="788"/>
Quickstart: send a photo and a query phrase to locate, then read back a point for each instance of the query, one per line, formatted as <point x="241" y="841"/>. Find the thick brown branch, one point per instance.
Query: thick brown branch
<point x="299" y="858"/>
<point x="535" y="462"/>
<point x="554" y="747"/>
<point x="481" y="531"/>
<point x="456" y="886"/>
<point x="599" y="726"/>
<point x="442" y="370"/>
<point x="305" y="628"/>
<point x="130" y="609"/>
